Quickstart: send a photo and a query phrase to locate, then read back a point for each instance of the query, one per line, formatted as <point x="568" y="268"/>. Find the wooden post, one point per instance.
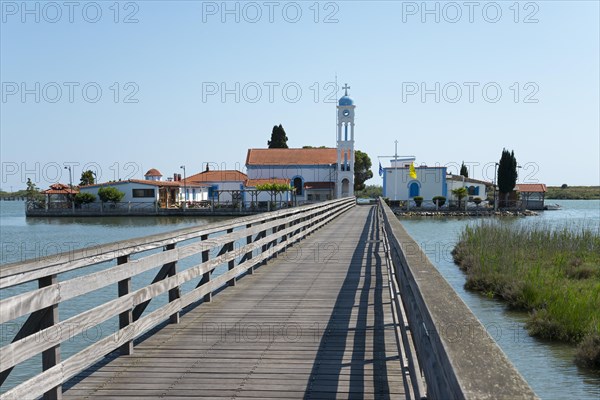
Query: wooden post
<point x="264" y="246"/>
<point x="206" y="275"/>
<point x="249" y="254"/>
<point x="174" y="293"/>
<point x="231" y="264"/>
<point x="126" y="317"/>
<point x="50" y="357"/>
<point x="274" y="242"/>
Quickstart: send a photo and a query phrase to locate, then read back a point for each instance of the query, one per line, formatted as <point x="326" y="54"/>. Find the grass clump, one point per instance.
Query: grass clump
<point x="553" y="274"/>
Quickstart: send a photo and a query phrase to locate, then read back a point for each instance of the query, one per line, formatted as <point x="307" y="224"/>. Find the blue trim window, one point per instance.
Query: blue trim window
<point x="212" y="191"/>
<point x="298" y="185"/>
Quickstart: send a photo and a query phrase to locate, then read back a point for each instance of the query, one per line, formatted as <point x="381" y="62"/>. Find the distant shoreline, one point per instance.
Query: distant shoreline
<point x="573" y="193"/>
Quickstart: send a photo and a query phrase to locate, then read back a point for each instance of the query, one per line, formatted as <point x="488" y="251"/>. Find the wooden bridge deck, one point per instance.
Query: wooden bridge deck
<point x="314" y="323"/>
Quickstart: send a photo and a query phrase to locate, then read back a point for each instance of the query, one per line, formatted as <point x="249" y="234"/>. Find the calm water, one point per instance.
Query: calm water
<point x="548" y="367"/>
<point x="22" y="238"/>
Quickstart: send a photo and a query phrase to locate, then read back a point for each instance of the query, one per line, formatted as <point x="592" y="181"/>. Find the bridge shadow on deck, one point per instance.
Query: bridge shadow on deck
<point x="347" y="332"/>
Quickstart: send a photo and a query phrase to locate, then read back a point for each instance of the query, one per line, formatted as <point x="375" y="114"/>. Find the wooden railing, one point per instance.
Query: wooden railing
<point x="454" y="351"/>
<point x="264" y="236"/>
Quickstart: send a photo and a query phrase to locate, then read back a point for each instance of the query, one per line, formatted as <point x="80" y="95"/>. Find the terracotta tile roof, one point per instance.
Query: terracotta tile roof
<point x="60" y="188"/>
<point x="147" y="182"/>
<point x="217" y="176"/>
<point x="468" y="180"/>
<point x="256" y="182"/>
<point x="319" y="185"/>
<point x="291" y="156"/>
<point x="153" y="172"/>
<point x="531" y="187"/>
<point x="166" y="183"/>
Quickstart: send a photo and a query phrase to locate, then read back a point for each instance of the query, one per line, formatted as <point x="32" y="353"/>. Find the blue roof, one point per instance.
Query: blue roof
<point x="346" y="101"/>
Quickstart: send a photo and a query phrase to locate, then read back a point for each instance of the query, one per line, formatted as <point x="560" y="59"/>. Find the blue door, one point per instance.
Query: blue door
<point x="413" y="189"/>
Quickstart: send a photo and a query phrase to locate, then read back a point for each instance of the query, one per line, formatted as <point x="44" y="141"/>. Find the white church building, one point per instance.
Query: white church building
<point x="399" y="185"/>
<point x="317" y="174"/>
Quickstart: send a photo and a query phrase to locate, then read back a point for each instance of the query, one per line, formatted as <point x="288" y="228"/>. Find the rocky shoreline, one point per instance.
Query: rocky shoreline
<point x="468" y="213"/>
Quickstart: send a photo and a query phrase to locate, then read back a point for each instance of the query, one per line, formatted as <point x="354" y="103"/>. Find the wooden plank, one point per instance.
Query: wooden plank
<point x="126" y="317"/>
<point x="50" y="356"/>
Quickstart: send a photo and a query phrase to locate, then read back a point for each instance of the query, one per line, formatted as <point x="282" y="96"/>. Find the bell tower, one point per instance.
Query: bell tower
<point x="345" y="146"/>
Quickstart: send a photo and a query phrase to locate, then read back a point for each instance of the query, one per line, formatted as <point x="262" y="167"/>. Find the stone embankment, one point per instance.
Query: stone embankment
<point x="468" y="213"/>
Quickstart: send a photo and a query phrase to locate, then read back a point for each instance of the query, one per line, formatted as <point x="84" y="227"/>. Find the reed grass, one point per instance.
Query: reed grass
<point x="552" y="273"/>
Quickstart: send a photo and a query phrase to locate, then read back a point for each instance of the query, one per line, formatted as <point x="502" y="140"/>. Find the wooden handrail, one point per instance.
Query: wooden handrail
<point x="268" y="233"/>
<point x="456" y="354"/>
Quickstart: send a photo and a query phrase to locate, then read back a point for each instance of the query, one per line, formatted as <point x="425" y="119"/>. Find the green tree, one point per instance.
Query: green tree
<point x="87" y="178"/>
<point x="278" y="138"/>
<point x="370" y="191"/>
<point x="111" y="194"/>
<point x="461" y="193"/>
<point x="33" y="193"/>
<point x="464" y="171"/>
<point x="84" y="198"/>
<point x="507" y="173"/>
<point x="274" y="187"/>
<point x="362" y="170"/>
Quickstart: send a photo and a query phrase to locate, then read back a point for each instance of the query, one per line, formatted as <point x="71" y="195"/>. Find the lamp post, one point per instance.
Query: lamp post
<point x="495" y="177"/>
<point x="70" y="187"/>
<point x="184" y="188"/>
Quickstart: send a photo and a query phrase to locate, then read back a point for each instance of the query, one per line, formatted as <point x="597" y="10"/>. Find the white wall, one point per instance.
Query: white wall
<point x="127" y="188"/>
<point x="201" y="194"/>
<point x="452" y="184"/>
<point x="228" y="185"/>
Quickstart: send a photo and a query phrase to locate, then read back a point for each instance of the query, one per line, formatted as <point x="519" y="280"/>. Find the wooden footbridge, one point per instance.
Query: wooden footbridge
<point x="329" y="300"/>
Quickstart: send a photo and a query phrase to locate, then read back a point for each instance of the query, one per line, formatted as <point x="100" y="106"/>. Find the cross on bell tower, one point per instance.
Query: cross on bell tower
<point x="345" y="145"/>
<point x="346" y="87"/>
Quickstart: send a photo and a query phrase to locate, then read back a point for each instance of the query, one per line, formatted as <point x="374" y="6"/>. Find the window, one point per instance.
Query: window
<point x="298" y="186"/>
<point x="212" y="192"/>
<point x="142" y="193"/>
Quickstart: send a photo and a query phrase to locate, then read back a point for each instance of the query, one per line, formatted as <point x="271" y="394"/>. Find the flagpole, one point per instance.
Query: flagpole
<point x="396" y="171"/>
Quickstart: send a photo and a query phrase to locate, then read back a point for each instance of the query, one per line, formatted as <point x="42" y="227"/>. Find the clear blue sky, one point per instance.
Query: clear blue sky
<point x="178" y="53"/>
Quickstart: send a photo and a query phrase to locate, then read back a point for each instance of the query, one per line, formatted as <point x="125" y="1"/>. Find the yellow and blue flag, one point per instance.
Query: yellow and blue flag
<point x="411" y="170"/>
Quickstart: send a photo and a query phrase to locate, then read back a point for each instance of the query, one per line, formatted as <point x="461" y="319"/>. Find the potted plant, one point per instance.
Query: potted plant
<point x="418" y="200"/>
<point x="439" y="200"/>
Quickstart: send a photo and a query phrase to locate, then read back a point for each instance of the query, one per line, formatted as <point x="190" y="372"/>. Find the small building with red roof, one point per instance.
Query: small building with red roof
<point x="224" y="186"/>
<point x="59" y="195"/>
<point x="532" y="195"/>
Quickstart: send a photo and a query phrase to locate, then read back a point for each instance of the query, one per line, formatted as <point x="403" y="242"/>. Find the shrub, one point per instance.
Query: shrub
<point x="588" y="351"/>
<point x="84" y="198"/>
<point x="439" y="200"/>
<point x="477" y="200"/>
<point x="418" y="200"/>
<point x="111" y="194"/>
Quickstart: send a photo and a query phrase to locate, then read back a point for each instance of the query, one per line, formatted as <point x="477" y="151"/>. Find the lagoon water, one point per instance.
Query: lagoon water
<point x="547" y="367"/>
